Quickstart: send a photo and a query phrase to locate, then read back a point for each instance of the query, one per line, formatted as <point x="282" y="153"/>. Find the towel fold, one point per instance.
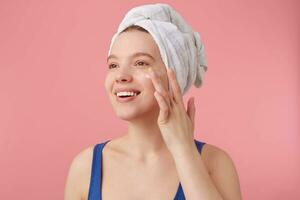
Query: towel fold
<point x="180" y="47"/>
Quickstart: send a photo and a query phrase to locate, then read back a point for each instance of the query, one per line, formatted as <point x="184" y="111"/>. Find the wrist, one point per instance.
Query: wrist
<point x="185" y="151"/>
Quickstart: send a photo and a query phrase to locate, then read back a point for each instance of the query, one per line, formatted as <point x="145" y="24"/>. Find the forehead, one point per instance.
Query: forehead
<point x="130" y="42"/>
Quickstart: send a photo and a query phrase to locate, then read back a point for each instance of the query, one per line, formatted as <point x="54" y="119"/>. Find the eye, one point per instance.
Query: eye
<point x="111" y="66"/>
<point x="141" y="63"/>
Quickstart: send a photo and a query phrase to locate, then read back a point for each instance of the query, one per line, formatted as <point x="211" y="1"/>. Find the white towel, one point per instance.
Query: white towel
<point x="180" y="47"/>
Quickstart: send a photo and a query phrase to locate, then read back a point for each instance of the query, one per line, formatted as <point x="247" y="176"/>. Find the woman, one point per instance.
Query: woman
<point x="158" y="157"/>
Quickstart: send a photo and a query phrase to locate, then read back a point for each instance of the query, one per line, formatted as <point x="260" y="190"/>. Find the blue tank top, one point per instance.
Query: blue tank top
<point x="96" y="173"/>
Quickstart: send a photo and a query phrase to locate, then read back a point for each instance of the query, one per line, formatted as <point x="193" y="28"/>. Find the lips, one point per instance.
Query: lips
<point x="126" y="90"/>
<point x="127" y="94"/>
<point x="123" y="99"/>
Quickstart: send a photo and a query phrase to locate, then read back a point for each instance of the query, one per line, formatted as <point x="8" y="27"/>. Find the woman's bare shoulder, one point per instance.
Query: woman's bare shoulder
<point x="79" y="174"/>
<point x="212" y="154"/>
<point x="209" y="150"/>
<point x="222" y="171"/>
<point x="82" y="161"/>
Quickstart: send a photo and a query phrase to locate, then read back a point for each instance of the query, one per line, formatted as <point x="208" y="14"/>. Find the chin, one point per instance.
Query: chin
<point x="133" y="114"/>
<point x="127" y="116"/>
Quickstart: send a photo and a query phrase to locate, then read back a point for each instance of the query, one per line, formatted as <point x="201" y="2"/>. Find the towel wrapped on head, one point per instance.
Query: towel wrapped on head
<point x="180" y="47"/>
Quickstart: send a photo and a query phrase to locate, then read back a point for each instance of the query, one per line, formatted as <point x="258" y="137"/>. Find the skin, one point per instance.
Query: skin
<point x="158" y="149"/>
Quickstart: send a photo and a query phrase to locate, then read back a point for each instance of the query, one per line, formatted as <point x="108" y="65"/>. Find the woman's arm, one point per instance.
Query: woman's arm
<point x="176" y="124"/>
<point x="224" y="174"/>
<point x="77" y="183"/>
<point x="216" y="181"/>
<point x="72" y="188"/>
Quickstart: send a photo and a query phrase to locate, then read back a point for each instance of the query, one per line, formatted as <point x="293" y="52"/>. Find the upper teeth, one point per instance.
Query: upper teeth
<point x="126" y="94"/>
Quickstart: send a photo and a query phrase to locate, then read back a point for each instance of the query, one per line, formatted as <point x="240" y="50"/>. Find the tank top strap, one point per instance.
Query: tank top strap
<point x="96" y="173"/>
<point x="199" y="145"/>
<point x="180" y="193"/>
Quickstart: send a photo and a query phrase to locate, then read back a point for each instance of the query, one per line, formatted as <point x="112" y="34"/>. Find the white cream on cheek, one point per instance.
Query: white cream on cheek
<point x="160" y="74"/>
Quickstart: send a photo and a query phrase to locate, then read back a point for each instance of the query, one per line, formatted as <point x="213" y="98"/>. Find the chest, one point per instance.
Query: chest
<point x="129" y="180"/>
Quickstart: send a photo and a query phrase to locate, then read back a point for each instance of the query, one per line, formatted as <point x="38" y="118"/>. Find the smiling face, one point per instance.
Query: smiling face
<point x="132" y="53"/>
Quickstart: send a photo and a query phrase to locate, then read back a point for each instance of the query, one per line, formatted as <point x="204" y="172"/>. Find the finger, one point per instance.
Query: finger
<point x="191" y="110"/>
<point x="157" y="83"/>
<point x="177" y="96"/>
<point x="170" y="91"/>
<point x="164" y="108"/>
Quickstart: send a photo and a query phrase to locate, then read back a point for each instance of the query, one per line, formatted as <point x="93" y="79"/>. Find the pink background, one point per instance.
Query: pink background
<point x="53" y="104"/>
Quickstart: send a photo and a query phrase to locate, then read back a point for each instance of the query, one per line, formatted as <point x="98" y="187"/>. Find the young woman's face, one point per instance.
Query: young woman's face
<point x="127" y="67"/>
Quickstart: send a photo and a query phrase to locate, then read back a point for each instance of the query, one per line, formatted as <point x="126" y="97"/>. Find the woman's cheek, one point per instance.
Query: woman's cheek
<point x="147" y="82"/>
<point x="108" y="83"/>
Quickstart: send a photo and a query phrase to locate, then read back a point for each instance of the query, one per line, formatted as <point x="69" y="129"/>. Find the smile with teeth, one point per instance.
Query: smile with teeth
<point x="127" y="94"/>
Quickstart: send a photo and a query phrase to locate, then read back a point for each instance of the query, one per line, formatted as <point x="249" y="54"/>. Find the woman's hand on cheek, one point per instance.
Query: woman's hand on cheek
<point x="176" y="124"/>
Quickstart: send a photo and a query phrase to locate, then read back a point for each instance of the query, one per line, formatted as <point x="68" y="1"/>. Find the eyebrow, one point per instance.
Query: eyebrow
<point x="133" y="55"/>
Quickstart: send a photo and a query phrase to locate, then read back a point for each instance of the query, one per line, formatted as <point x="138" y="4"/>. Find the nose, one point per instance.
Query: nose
<point x="123" y="77"/>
